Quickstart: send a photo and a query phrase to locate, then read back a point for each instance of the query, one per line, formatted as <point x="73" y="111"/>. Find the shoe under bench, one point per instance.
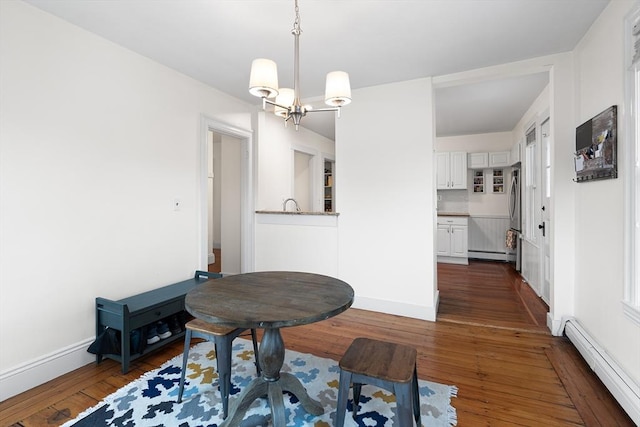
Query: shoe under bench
<point x="141" y="310"/>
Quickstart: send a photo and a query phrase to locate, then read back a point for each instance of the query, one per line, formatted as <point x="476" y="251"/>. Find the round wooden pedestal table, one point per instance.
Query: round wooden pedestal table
<point x="270" y="300"/>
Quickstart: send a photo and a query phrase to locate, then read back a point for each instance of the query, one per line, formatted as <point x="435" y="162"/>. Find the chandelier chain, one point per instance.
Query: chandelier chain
<point x="296" y="24"/>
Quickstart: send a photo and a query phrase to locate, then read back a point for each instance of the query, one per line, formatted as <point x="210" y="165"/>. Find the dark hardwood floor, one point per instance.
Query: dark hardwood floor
<point x="489" y="294"/>
<point x="489" y="340"/>
<point x="216" y="267"/>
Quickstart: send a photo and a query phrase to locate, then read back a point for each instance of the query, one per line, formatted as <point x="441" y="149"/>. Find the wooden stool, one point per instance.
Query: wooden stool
<point x="385" y="365"/>
<point x="223" y="338"/>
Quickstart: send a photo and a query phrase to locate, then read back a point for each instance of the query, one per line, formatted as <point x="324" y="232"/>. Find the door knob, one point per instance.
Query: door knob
<point x="541" y="227"/>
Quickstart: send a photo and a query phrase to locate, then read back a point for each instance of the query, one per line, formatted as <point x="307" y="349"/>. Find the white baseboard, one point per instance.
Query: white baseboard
<point x="621" y="386"/>
<point x="395" y="307"/>
<point x="494" y="256"/>
<point x="555" y="326"/>
<point x="38" y="371"/>
<point x="453" y="260"/>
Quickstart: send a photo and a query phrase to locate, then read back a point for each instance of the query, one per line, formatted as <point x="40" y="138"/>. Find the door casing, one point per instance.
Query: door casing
<point x="245" y="136"/>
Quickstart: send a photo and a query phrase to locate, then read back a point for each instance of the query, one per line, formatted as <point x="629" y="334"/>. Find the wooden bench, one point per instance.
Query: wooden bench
<point x="138" y="311"/>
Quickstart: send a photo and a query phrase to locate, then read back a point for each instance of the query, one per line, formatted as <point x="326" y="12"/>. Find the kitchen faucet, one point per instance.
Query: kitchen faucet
<point x="290" y="199"/>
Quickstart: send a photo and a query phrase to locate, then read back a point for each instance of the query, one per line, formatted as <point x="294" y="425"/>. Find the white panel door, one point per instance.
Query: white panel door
<point x="532" y="207"/>
<point x="545" y="252"/>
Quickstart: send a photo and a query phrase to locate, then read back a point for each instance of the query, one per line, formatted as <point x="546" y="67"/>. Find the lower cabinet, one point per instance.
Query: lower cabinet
<point x="452" y="240"/>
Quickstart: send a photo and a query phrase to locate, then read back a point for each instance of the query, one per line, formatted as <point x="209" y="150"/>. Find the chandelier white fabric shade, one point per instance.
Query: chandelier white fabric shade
<point x="338" y="89"/>
<point x="263" y="81"/>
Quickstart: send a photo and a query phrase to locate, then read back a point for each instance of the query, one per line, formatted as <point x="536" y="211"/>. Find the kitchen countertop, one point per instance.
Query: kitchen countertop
<point x="298" y="213"/>
<point x="453" y="213"/>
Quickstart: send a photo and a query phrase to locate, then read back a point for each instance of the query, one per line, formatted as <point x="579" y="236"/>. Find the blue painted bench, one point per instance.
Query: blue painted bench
<point x="139" y="311"/>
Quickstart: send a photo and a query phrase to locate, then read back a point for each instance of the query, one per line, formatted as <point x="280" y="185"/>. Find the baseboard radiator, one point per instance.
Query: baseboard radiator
<point x="487" y="238"/>
<point x="621" y="386"/>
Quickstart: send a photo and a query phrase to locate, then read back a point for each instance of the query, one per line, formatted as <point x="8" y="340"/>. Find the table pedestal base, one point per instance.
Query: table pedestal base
<point x="272" y="384"/>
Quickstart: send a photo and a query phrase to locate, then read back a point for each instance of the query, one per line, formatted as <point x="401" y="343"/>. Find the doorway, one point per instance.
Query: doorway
<point x="226" y="196"/>
<point x="476" y="101"/>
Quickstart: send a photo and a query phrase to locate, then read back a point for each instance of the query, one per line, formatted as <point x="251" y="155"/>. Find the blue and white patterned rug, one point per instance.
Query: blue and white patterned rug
<point x="151" y="400"/>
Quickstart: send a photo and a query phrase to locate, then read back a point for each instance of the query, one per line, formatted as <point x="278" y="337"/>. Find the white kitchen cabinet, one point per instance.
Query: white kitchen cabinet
<point x="496" y="159"/>
<point x="452" y="239"/>
<point x="499" y="159"/>
<point x="515" y="155"/>
<point x="478" y="160"/>
<point x="451" y="170"/>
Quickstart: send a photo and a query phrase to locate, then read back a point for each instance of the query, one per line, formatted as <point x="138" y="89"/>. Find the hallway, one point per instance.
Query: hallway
<point x="489" y="293"/>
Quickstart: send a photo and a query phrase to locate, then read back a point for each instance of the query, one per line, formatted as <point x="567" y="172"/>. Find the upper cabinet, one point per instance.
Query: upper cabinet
<point x="515" y="157"/>
<point x="451" y="170"/>
<point x="496" y="159"/>
<point x="478" y="160"/>
<point x="499" y="159"/>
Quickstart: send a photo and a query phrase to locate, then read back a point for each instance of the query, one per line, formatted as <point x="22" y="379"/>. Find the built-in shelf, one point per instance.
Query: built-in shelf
<point x="329" y="193"/>
<point x="498" y="181"/>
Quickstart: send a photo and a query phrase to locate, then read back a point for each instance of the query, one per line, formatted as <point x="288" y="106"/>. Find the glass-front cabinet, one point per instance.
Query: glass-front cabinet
<point x="498" y="181"/>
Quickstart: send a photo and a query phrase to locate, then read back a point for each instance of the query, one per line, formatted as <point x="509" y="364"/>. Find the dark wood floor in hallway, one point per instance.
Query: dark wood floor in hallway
<point x="490" y="294"/>
<point x="489" y="341"/>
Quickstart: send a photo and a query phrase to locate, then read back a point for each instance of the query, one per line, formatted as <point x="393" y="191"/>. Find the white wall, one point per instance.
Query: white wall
<point x="476" y="143"/>
<point x="386" y="198"/>
<point x="599" y="204"/>
<point x="96" y="142"/>
<point x="477" y="204"/>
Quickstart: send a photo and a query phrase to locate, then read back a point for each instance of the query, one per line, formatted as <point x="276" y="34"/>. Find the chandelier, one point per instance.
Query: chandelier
<point x="263" y="83"/>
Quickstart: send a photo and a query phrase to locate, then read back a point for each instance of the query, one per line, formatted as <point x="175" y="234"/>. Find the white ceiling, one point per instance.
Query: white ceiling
<point x="375" y="41"/>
